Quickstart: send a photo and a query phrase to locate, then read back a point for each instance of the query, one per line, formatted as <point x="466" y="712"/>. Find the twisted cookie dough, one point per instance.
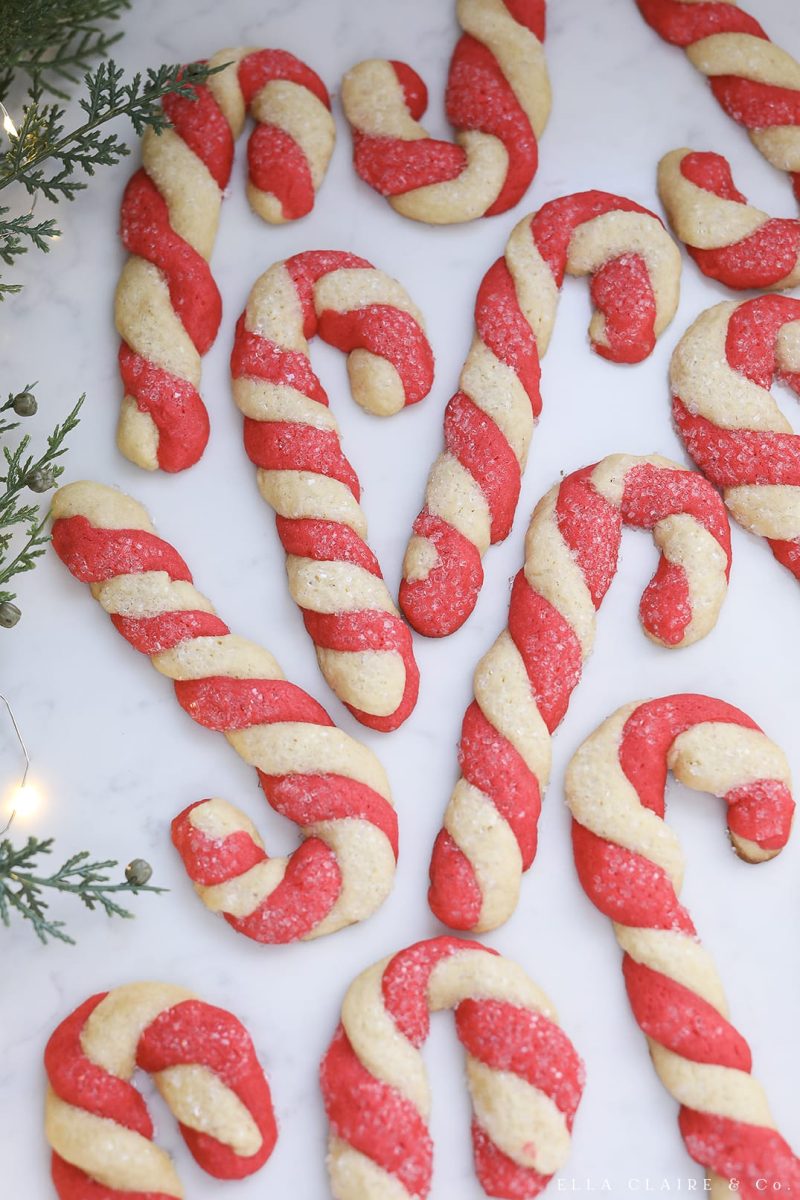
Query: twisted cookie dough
<point x="524" y="683"/>
<point x="728" y="238"/>
<point x="498" y="99"/>
<point x="756" y="82"/>
<point x="202" y="1062"/>
<point x="631" y="867"/>
<point x="473" y="487"/>
<point x="363" y="646"/>
<point x="524" y="1077"/>
<point x="330" y="785"/>
<point x="167" y="307"/>
<point x="720" y="375"/>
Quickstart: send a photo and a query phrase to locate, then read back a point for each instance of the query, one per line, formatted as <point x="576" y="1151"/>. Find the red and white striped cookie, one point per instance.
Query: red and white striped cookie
<point x="331" y="786"/>
<point x="498" y="100"/>
<point x="524" y="1076"/>
<point x="720" y="375"/>
<point x="755" y="82"/>
<point x="631" y="866"/>
<point x="363" y="646"/>
<point x="729" y="239"/>
<point x="204" y="1065"/>
<point x="524" y="683"/>
<point x="167" y="307"/>
<point x="473" y="487"/>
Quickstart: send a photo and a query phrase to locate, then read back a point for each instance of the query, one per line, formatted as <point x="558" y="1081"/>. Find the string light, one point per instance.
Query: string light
<point x="11" y="130"/>
<point x="25" y="797"/>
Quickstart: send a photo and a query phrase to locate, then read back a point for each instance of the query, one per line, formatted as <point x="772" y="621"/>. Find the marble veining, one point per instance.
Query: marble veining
<point x="115" y="757"/>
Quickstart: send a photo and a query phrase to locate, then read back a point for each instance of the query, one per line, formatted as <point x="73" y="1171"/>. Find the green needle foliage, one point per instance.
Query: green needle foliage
<point x="23" y="889"/>
<point x="46" y="157"/>
<point x="26" y="472"/>
<point x="54" y="43"/>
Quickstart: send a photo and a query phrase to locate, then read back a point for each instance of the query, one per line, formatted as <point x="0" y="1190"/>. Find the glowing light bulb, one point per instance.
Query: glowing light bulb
<point x="8" y="124"/>
<point x="23" y="800"/>
<point x="27" y="799"/>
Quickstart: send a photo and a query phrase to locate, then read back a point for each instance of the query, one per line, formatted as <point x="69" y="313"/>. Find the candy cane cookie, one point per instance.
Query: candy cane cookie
<point x="720" y="375"/>
<point x="498" y="100"/>
<point x="204" y="1065"/>
<point x="630" y="864"/>
<point x="729" y="239"/>
<point x="473" y="487"/>
<point x="523" y="685"/>
<point x="167" y="307"/>
<point x="524" y="1076"/>
<point x="363" y="646"/>
<point x="331" y="786"/>
<point x="755" y="82"/>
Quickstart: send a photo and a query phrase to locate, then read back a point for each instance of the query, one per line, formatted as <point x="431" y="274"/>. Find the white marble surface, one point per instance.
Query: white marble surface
<point x="116" y="758"/>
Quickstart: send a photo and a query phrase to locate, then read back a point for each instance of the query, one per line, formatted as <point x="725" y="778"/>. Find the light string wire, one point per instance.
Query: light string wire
<point x="21" y="741"/>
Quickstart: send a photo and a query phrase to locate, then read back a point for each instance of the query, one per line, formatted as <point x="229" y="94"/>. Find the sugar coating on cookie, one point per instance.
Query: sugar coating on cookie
<point x="524" y="1076"/>
<point x="523" y="684"/>
<point x="498" y="100"/>
<point x="755" y="82"/>
<point x="331" y="786"/>
<point x="363" y="646"/>
<point x="202" y="1061"/>
<point x="720" y="374"/>
<point x="631" y="866"/>
<point x="167" y="306"/>
<point x="729" y="239"/>
<point x="471" y="495"/>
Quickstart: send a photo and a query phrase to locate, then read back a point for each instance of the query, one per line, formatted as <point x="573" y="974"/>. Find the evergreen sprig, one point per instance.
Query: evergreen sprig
<point x="107" y="94"/>
<point x="23" y="889"/>
<point x="25" y="471"/>
<point x="19" y="234"/>
<point x="54" y="43"/>
<point x="47" y="159"/>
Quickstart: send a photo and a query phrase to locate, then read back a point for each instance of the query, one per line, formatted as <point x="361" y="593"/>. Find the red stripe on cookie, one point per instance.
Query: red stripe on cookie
<point x="390" y="334"/>
<point x="404" y="986"/>
<point x="304" y="897"/>
<point x="684" y="1022"/>
<point x="94" y="555"/>
<point x="506" y="1037"/>
<point x="194" y="1033"/>
<point x="503" y="329"/>
<point x="261" y="67"/>
<point x="307" y="799"/>
<point x="490" y="763"/>
<point x="759" y="1159"/>
<point x="174" y="406"/>
<point x="627" y="887"/>
<point x="441" y="602"/>
<point x="146" y="231"/>
<point x="213" y="860"/>
<point x="278" y="166"/>
<point x="256" y="356"/>
<point x="375" y="1118"/>
<point x="325" y="541"/>
<point x="554" y="224"/>
<point x="454" y="894"/>
<point x="473" y="438"/>
<point x="152" y="635"/>
<point x="78" y="1081"/>
<point x="681" y="24"/>
<point x="479" y="97"/>
<point x="549" y="648"/>
<point x="289" y="446"/>
<point x="224" y="703"/>
<point x="201" y="124"/>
